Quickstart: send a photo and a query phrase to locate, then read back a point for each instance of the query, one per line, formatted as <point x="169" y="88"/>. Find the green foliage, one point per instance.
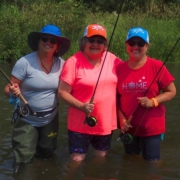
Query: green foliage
<point x="11" y="35"/>
<point x="17" y="21"/>
<point x="16" y="24"/>
<point x="154" y="8"/>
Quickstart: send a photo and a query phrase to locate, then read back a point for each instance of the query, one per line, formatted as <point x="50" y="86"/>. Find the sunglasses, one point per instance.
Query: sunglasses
<point x="139" y="43"/>
<point x="52" y="40"/>
<point x="98" y="41"/>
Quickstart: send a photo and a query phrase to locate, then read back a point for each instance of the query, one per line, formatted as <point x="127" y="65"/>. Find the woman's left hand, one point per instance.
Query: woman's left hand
<point x="146" y="102"/>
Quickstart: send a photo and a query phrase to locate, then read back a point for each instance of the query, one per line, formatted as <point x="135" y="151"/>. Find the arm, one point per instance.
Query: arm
<point x="64" y="92"/>
<point x="167" y="94"/>
<point x="124" y="123"/>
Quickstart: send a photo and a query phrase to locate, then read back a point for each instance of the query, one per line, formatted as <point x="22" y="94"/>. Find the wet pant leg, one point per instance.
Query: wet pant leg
<point x="134" y="147"/>
<point x="24" y="140"/>
<point x="47" y="141"/>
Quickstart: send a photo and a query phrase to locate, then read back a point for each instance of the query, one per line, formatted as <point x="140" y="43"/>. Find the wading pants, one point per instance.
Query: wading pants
<point x="28" y="141"/>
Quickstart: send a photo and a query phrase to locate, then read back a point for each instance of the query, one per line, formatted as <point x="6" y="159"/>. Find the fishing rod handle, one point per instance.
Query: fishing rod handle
<point x="91" y="100"/>
<point x="129" y="120"/>
<point x="23" y="99"/>
<point x="20" y="95"/>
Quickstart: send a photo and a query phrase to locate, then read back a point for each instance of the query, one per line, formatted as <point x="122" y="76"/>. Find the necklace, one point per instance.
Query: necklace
<point x="48" y="71"/>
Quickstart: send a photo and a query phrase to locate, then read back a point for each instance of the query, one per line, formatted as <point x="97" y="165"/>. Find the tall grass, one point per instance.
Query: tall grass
<point x="72" y="18"/>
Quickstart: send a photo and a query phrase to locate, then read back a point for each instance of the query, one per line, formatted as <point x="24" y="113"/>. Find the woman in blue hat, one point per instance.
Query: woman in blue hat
<point x="144" y="85"/>
<point x="36" y="77"/>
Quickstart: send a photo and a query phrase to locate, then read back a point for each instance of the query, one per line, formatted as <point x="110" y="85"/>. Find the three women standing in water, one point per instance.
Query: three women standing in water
<point x="139" y="100"/>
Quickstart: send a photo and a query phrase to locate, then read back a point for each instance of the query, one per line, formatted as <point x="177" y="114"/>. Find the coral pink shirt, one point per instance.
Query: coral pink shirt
<point x="82" y="77"/>
<point x="134" y="83"/>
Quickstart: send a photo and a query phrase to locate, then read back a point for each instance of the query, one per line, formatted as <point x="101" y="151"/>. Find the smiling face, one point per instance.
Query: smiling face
<point x="48" y="44"/>
<point x="94" y="47"/>
<point x="136" y="48"/>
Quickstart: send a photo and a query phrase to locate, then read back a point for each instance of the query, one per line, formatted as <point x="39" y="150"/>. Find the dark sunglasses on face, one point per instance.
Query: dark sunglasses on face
<point x="98" y="41"/>
<point x="139" y="43"/>
<point x="53" y="40"/>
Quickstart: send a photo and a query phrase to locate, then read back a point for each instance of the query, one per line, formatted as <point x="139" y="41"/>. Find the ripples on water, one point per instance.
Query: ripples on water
<point x="115" y="166"/>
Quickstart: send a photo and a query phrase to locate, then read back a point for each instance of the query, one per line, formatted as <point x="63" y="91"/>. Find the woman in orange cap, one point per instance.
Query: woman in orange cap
<point x="77" y="83"/>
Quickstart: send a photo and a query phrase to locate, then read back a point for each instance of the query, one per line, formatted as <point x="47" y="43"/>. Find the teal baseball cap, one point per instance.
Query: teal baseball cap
<point x="33" y="39"/>
<point x="138" y="32"/>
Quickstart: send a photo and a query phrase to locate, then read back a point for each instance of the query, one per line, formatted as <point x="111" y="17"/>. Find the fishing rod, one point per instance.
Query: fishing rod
<point x="127" y="138"/>
<point x="90" y="120"/>
<point x="26" y="110"/>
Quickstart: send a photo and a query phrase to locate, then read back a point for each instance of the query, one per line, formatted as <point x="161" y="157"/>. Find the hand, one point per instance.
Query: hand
<point x="146" y="102"/>
<point x="125" y="126"/>
<point x="88" y="108"/>
<point x="15" y="90"/>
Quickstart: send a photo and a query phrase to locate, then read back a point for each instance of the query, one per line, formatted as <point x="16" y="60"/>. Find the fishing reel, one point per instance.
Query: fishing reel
<point x="91" y="121"/>
<point x="126" y="138"/>
<point x="24" y="111"/>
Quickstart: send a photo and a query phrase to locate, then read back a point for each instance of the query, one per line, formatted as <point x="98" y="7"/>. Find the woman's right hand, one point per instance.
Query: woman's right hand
<point x="88" y="108"/>
<point x="124" y="126"/>
<point x="64" y="92"/>
<point x="14" y="90"/>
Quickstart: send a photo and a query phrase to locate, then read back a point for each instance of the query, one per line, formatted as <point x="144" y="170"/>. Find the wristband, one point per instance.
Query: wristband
<point x="13" y="100"/>
<point x="155" y="102"/>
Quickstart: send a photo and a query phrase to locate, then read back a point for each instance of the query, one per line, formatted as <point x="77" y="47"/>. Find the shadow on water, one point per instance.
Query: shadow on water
<point x="115" y="166"/>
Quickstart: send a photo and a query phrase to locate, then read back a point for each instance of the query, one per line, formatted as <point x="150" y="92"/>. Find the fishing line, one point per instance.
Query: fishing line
<point x="20" y="95"/>
<point x="127" y="138"/>
<point x="91" y="121"/>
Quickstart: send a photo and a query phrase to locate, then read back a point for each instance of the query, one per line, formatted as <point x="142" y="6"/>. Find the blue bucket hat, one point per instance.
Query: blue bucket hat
<point x="33" y="39"/>
<point x="138" y="32"/>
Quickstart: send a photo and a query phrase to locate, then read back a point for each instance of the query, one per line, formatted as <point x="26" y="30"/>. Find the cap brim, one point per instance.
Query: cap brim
<point x="90" y="35"/>
<point x="33" y="40"/>
<point x="138" y="37"/>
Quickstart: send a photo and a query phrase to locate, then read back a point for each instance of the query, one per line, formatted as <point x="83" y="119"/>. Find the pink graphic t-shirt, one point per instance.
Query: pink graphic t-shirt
<point x="82" y="76"/>
<point x="134" y="83"/>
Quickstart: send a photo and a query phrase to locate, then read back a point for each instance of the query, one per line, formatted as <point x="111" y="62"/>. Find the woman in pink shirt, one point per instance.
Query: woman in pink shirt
<point x="77" y="83"/>
<point x="144" y="84"/>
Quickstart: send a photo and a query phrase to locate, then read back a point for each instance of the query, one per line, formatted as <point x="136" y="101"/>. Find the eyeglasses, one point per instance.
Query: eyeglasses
<point x="98" y="41"/>
<point x="139" y="43"/>
<point x="52" y="40"/>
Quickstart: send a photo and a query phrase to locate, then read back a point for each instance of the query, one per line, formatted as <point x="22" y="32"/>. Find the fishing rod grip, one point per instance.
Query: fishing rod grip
<point x="129" y="120"/>
<point x="23" y="99"/>
<point x="20" y="95"/>
<point x="91" y="100"/>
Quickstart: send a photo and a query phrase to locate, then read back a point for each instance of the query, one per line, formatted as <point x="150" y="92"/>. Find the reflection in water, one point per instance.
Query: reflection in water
<point x="117" y="165"/>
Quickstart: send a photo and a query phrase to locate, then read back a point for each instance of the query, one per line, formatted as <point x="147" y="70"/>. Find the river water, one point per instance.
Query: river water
<point x="116" y="166"/>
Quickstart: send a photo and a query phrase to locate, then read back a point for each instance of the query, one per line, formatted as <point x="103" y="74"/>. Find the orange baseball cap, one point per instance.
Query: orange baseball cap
<point x="95" y="30"/>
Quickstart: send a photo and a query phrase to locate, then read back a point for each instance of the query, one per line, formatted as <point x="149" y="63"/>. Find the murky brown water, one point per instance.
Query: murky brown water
<point x="115" y="166"/>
